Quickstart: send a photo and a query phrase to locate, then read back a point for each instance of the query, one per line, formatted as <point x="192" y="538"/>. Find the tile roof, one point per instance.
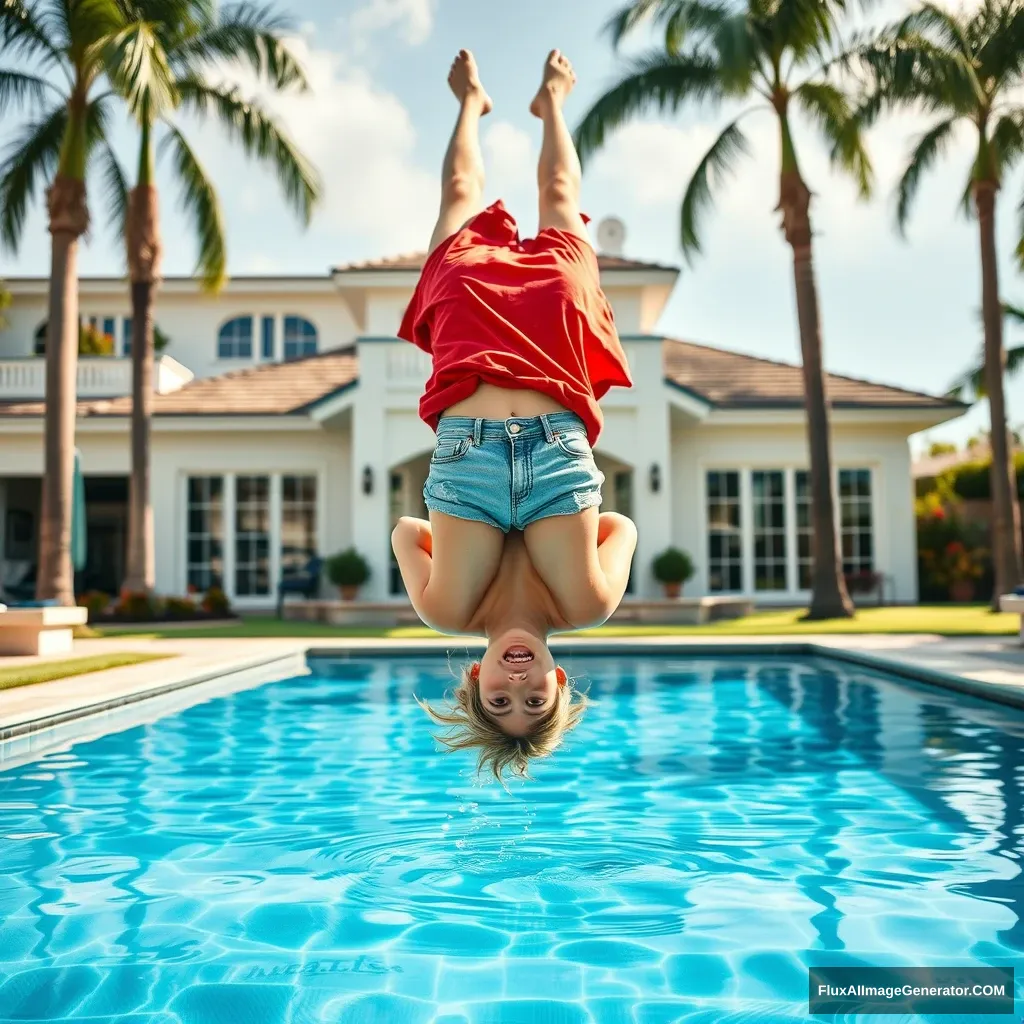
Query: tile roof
<point x="725" y="379"/>
<point x="415" y="261"/>
<point x="736" y="380"/>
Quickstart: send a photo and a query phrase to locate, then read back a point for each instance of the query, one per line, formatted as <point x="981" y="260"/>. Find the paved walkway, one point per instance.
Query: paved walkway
<point x="991" y="662"/>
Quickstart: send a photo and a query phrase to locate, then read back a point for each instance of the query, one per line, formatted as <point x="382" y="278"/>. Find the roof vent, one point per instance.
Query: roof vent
<point x="611" y="236"/>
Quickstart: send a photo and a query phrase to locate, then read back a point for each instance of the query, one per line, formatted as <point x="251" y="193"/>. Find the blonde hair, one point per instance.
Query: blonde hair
<point x="470" y="727"/>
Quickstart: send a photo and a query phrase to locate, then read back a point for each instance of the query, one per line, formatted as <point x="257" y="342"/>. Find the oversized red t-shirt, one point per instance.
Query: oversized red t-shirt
<point x="516" y="314"/>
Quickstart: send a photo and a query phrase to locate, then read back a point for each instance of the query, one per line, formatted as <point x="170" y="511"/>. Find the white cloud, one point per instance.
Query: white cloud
<point x="362" y="141"/>
<point x="414" y="19"/>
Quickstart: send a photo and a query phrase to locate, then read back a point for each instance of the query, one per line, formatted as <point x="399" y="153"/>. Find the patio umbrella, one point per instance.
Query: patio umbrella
<point x="78" y="547"/>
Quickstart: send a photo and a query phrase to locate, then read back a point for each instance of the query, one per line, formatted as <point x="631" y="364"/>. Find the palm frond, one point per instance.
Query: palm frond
<point x="1013" y="313"/>
<point x="935" y="23"/>
<point x="1007" y="141"/>
<point x="830" y="108"/>
<point x="199" y="199"/>
<point x="18" y="87"/>
<point x="656" y="82"/>
<point x="804" y="28"/>
<point x="739" y="55"/>
<point x="136" y="64"/>
<point x="913" y="70"/>
<point x="26" y="35"/>
<point x="115" y="187"/>
<point x="29" y="162"/>
<point x="714" y="166"/>
<point x="250" y="34"/>
<point x="261" y="137"/>
<point x="1014" y="360"/>
<point x="89" y="22"/>
<point x="929" y="148"/>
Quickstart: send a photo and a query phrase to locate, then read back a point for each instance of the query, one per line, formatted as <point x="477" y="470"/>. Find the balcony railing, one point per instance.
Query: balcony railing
<point x="98" y="377"/>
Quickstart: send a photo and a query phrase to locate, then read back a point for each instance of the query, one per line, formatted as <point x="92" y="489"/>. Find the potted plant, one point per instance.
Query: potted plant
<point x="672" y="568"/>
<point x="348" y="571"/>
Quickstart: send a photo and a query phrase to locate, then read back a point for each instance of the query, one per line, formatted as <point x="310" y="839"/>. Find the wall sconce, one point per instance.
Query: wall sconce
<point x="368" y="480"/>
<point x="655" y="477"/>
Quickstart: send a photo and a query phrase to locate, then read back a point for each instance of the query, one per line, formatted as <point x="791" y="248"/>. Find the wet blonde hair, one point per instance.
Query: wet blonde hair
<point x="470" y="727"/>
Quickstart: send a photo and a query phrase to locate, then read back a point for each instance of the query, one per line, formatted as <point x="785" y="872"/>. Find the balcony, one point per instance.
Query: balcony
<point x="98" y="377"/>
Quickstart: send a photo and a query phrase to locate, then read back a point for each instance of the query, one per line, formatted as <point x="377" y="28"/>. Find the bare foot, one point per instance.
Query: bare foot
<point x="557" y="83"/>
<point x="464" y="79"/>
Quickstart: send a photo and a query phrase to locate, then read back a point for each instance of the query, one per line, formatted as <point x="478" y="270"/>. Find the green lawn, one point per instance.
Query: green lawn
<point x="47" y="671"/>
<point x="946" y="620"/>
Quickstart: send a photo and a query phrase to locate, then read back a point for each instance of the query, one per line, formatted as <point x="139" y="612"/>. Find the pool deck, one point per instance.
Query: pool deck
<point x="991" y="667"/>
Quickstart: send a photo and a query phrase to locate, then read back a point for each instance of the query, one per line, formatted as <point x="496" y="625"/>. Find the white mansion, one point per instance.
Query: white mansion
<point x="286" y="424"/>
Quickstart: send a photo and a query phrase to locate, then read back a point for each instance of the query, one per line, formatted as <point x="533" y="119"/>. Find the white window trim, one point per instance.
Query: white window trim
<point x="789" y="469"/>
<point x="318" y="473"/>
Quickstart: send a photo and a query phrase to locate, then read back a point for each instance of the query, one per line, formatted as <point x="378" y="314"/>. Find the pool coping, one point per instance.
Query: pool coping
<point x="291" y="662"/>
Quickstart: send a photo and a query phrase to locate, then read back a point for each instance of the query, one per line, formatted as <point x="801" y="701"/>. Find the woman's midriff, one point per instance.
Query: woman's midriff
<point x="493" y="403"/>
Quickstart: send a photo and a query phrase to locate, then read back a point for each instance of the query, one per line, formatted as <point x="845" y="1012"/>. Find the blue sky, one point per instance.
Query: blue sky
<point x="378" y="118"/>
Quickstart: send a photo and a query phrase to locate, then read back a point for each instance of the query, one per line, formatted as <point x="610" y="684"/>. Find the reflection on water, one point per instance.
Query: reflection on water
<point x="300" y="852"/>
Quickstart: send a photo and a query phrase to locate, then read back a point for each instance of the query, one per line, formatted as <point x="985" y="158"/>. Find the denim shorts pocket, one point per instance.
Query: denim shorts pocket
<point x="574" y="443"/>
<point x="450" y="449"/>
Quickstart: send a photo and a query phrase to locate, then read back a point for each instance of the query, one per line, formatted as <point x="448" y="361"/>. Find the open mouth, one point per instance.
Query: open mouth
<point x="517" y="654"/>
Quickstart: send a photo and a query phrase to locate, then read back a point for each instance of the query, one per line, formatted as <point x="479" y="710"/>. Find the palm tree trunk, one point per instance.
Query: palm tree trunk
<point x="1006" y="530"/>
<point x="829" y="599"/>
<point x="144" y="254"/>
<point x="69" y="220"/>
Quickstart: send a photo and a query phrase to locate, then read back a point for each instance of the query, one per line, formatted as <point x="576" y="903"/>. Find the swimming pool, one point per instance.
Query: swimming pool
<point x="300" y="853"/>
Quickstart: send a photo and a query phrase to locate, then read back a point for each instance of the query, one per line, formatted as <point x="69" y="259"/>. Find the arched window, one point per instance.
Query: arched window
<point x="234" y="340"/>
<point x="300" y="338"/>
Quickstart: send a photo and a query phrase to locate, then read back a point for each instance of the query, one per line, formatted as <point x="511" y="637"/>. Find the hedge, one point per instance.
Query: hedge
<point x="971" y="480"/>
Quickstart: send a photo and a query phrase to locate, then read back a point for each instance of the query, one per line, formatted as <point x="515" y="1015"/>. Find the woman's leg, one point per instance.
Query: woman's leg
<point x="462" y="176"/>
<point x="558" y="172"/>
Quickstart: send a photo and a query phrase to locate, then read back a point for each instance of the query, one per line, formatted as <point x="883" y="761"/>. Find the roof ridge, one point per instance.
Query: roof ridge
<point x="253" y="371"/>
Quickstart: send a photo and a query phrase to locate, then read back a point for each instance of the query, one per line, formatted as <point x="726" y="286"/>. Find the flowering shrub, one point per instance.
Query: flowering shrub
<point x="954" y="563"/>
<point x="136" y="607"/>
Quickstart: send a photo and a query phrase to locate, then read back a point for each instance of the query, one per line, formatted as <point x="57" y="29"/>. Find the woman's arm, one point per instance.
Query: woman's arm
<point x="412" y="542"/>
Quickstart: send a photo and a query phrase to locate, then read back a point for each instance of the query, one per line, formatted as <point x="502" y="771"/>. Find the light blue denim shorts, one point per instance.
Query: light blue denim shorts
<point x="510" y="473"/>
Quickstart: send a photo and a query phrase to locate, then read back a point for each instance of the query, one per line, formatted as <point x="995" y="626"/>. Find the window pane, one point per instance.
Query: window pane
<point x="252" y="536"/>
<point x="268" y="337"/>
<point x="804" y="533"/>
<point x="857" y="529"/>
<point x="768" y="493"/>
<point x="725" y="567"/>
<point x="234" y="340"/>
<point x="300" y="337"/>
<point x="298" y="522"/>
<point x="204" y="542"/>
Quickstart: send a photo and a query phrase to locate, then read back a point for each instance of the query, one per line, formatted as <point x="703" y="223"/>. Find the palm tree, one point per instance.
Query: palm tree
<point x="240" y="34"/>
<point x="965" y="68"/>
<point x="775" y="55"/>
<point x="73" y="47"/>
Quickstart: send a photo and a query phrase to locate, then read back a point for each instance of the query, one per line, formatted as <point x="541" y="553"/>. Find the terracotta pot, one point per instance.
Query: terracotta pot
<point x="348" y="592"/>
<point x="962" y="591"/>
<point x="672" y="590"/>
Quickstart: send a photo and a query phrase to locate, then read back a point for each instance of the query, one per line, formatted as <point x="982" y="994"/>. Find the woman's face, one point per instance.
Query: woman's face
<point x="518" y="682"/>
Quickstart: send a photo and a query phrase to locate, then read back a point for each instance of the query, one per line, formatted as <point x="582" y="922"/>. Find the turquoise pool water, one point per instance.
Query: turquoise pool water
<point x="300" y="853"/>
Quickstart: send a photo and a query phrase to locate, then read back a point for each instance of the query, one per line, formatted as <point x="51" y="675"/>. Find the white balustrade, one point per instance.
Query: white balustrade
<point x="98" y="377"/>
<point x="406" y="365"/>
